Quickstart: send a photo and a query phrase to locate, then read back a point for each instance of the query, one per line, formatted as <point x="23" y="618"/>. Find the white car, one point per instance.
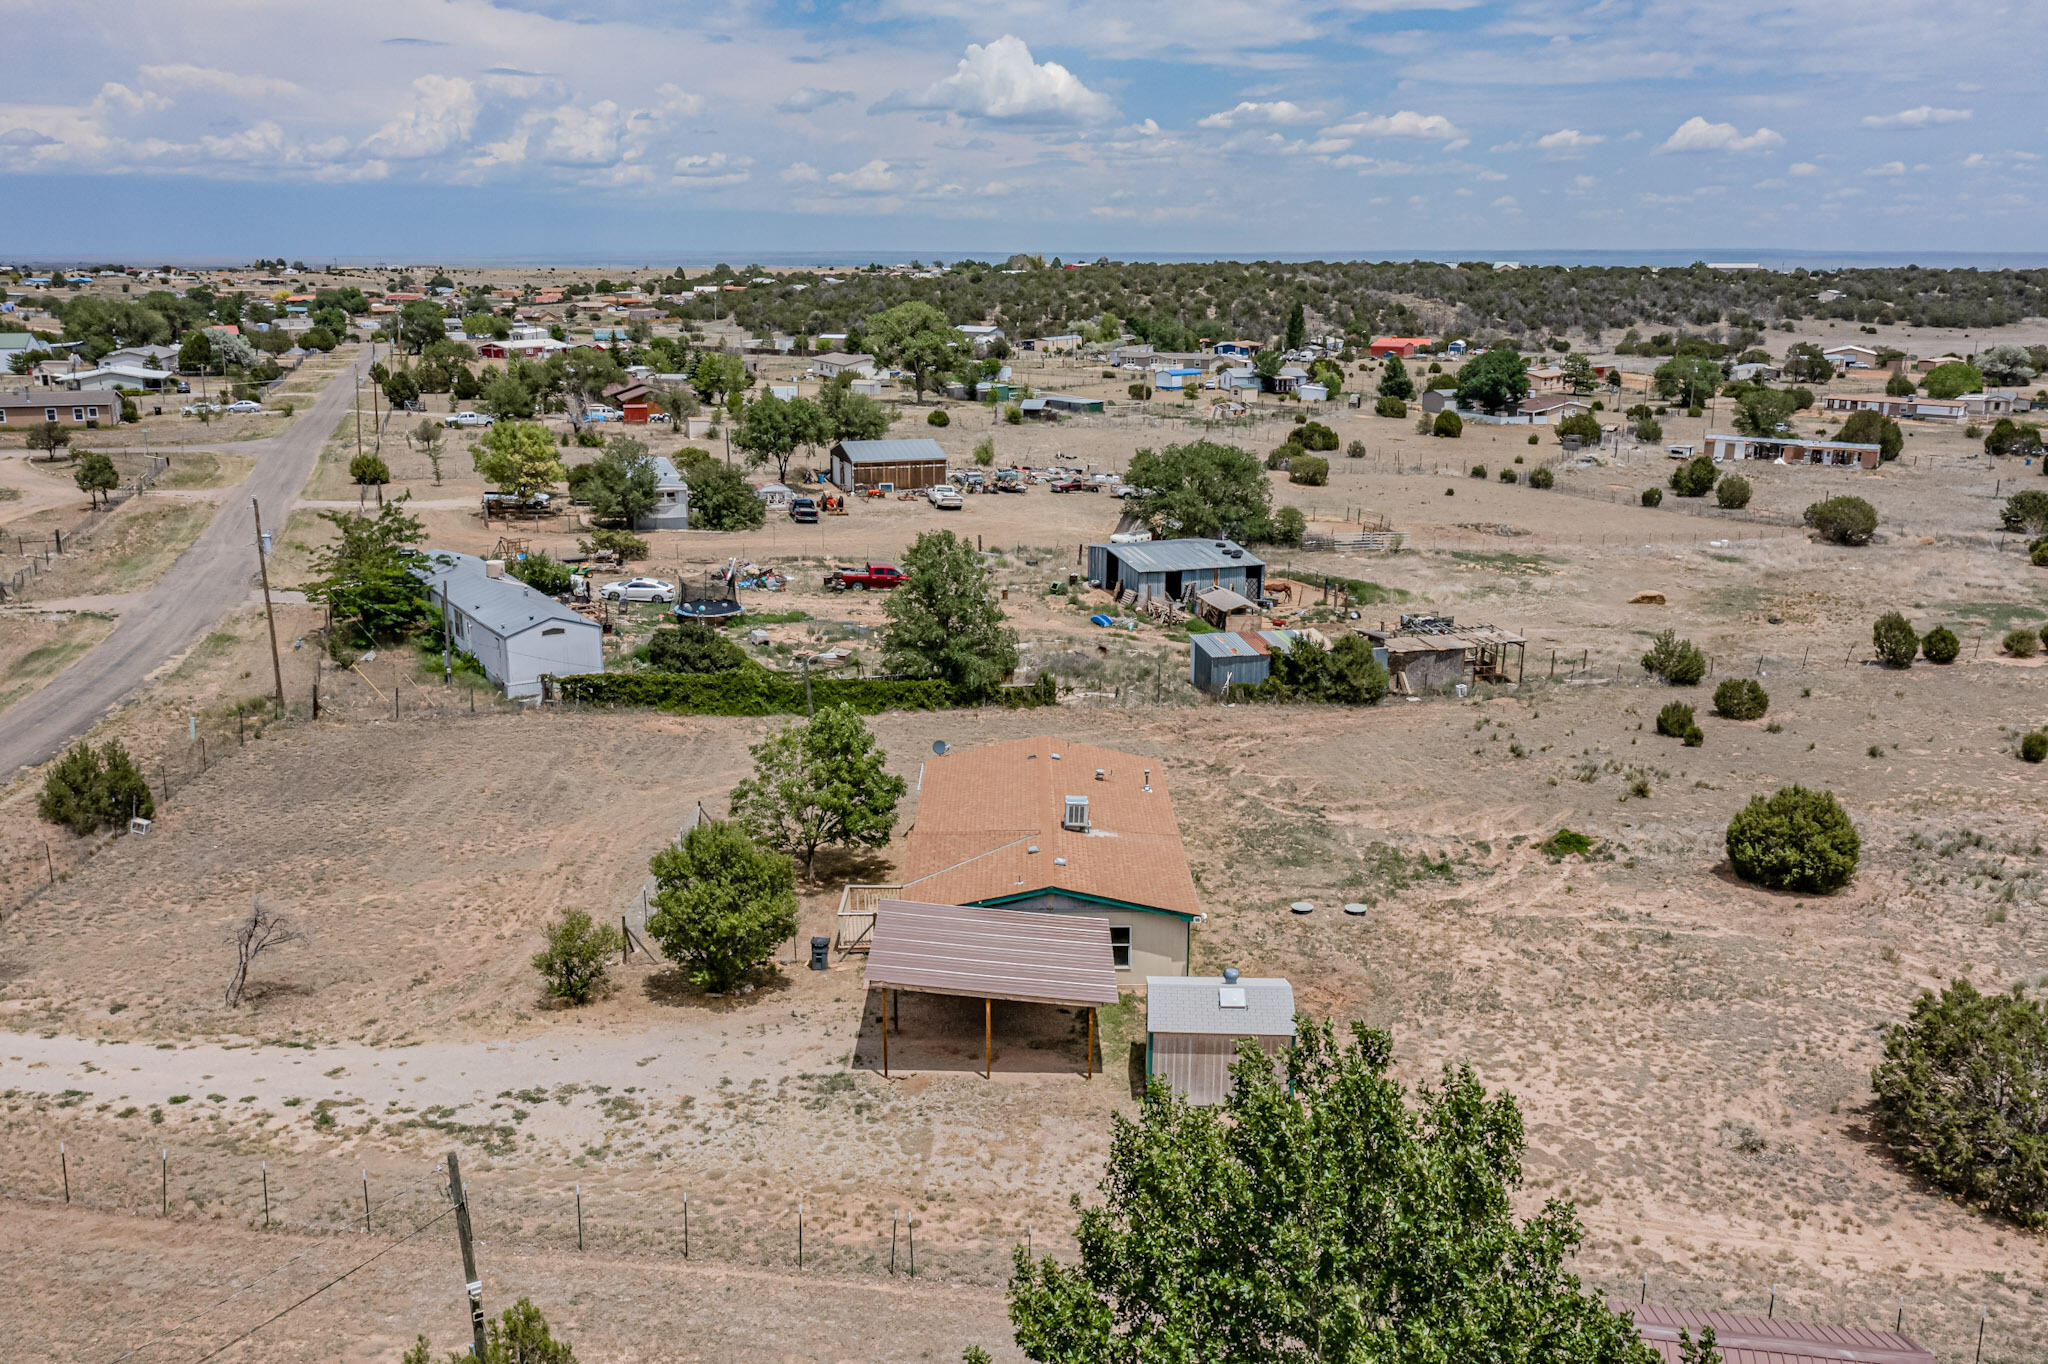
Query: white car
<point x="194" y="409"/>
<point x="245" y="405"/>
<point x="638" y="589"/>
<point x="598" y="412"/>
<point x="467" y="419"/>
<point x="1123" y="490"/>
<point x="944" y="495"/>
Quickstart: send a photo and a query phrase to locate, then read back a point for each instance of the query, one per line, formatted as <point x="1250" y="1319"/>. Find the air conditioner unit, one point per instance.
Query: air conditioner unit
<point x="1077" y="813"/>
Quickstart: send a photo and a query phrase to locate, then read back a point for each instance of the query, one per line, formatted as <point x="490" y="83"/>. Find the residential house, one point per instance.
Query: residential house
<point x="1792" y="450"/>
<point x="20" y="343"/>
<point x="671" y="499"/>
<point x="1051" y="827"/>
<point x="1171" y="378"/>
<point x="981" y="336"/>
<point x="1851" y="356"/>
<point x="1193" y="1025"/>
<point x="1136" y="355"/>
<point x="1241" y="350"/>
<point x="1755" y="372"/>
<point x="26" y="406"/>
<point x="1547" y="409"/>
<point x="1290" y="378"/>
<point x="1175" y="569"/>
<point x="832" y="364"/>
<point x="1068" y="403"/>
<point x="516" y="634"/>
<point x="1770" y="1339"/>
<point x="1063" y="344"/>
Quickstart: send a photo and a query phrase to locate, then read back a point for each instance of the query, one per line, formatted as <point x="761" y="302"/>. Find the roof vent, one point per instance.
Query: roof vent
<point x="1231" y="995"/>
<point x="1032" y="849"/>
<point x="494" y="568"/>
<point x="1077" y="814"/>
<point x="1230" y="975"/>
<point x="1223" y="544"/>
<point x="1101" y="774"/>
<point x="1148" y="779"/>
<point x="1059" y="861"/>
<point x="1055" y="757"/>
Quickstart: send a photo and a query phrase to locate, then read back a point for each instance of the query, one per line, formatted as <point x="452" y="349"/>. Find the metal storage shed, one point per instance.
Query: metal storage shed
<point x="1172" y="569"/>
<point x="991" y="954"/>
<point x="1763" y="1340"/>
<point x="1218" y="662"/>
<point x="1194" y="1023"/>
<point x="906" y="463"/>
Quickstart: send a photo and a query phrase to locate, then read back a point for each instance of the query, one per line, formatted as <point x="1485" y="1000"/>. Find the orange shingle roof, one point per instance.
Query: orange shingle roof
<point x="982" y="811"/>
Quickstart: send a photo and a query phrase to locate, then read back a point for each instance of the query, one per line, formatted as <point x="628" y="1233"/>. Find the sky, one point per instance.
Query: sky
<point x="634" y="130"/>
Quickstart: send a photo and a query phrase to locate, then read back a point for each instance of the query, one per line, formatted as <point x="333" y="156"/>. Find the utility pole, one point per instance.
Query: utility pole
<point x="263" y="567"/>
<point x="358" y="405"/>
<point x="471" y="1282"/>
<point x="447" y="661"/>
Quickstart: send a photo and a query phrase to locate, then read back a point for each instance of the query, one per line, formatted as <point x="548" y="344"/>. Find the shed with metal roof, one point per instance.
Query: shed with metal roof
<point x="1771" y="1340"/>
<point x="1217" y="662"/>
<point x="918" y="463"/>
<point x="1193" y="1025"/>
<point x="1175" y="569"/>
<point x="516" y="634"/>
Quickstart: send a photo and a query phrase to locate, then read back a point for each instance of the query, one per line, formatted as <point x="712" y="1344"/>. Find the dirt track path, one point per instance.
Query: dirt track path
<point x="209" y="580"/>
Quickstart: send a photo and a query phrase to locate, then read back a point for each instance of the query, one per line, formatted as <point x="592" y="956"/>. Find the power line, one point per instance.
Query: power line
<point x="324" y="1287"/>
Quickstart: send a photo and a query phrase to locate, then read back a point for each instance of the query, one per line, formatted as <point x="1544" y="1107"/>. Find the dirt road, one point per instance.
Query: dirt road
<point x="210" y="579"/>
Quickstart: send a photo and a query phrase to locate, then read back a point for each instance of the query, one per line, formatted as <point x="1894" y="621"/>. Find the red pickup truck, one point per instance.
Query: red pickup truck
<point x="880" y="577"/>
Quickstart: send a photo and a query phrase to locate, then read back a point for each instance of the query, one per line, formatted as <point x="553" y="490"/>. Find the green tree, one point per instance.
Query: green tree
<point x="720" y="496"/>
<point x="1796" y="840"/>
<point x="1843" y="520"/>
<point x="420" y="323"/>
<point x="1289" y="525"/>
<point x="1448" y="424"/>
<point x="820" y="784"/>
<point x="2025" y="512"/>
<point x="1493" y="380"/>
<point x="693" y="647"/>
<point x="1395" y="383"/>
<point x="849" y="415"/>
<point x="365" y="573"/>
<point x="1732" y="492"/>
<point x="573" y="963"/>
<point x="2008" y="437"/>
<point x="1761" y="411"/>
<point x="195" y="352"/>
<point x="519" y="1336"/>
<point x="1894" y="640"/>
<point x="717" y="375"/>
<point x="1899" y="386"/>
<point x="369" y="470"/>
<point x="508" y="397"/>
<point x="1309" y="470"/>
<point x="1874" y="428"/>
<point x="772" y="429"/>
<point x="1583" y="425"/>
<point x="401" y="388"/>
<point x="1952" y="380"/>
<point x="945" y="620"/>
<point x="915" y="338"/>
<point x="1940" y="645"/>
<point x="1959" y="1097"/>
<point x="1201" y="490"/>
<point x="96" y="475"/>
<point x="1695" y="477"/>
<point x="1805" y="363"/>
<point x="49" y="437"/>
<point x="89" y="789"/>
<point x="1578" y="373"/>
<point x="1297" y="326"/>
<point x="1387" y="405"/>
<point x="582" y="375"/>
<point x="518" y="458"/>
<point x="1741" y="698"/>
<point x="542" y="572"/>
<point x="2006" y="365"/>
<point x="428" y="438"/>
<point x="1687" y="380"/>
<point x="1384" y="1231"/>
<point x="722" y="903"/>
<point x="620" y="485"/>
<point x="1674" y="660"/>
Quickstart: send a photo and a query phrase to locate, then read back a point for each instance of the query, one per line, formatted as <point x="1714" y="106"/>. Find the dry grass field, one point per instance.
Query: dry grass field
<point x="1691" y="1054"/>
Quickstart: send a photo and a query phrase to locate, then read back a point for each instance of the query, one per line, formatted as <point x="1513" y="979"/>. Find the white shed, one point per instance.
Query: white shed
<point x="1194" y="1023"/>
<point x="518" y="635"/>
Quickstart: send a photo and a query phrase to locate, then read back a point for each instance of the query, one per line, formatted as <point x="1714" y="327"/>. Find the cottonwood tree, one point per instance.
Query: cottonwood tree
<point x="518" y="458"/>
<point x="252" y="935"/>
<point x="49" y="437"/>
<point x="722" y="903"/>
<point x="1493" y="380"/>
<point x="945" y="621"/>
<point x="1316" y="1216"/>
<point x="577" y="957"/>
<point x="620" y="485"/>
<point x="916" y="338"/>
<point x="364" y="575"/>
<point x="1201" y="489"/>
<point x="819" y="784"/>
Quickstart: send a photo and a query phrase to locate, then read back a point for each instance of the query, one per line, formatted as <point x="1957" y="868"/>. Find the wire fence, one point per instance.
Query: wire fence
<point x="40" y="552"/>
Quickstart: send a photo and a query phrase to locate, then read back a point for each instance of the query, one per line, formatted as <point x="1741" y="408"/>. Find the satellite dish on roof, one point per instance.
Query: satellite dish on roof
<point x="938" y="748"/>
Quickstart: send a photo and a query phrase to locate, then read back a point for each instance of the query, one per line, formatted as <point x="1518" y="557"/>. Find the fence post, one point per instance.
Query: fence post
<point x="64" y="1164"/>
<point x="164" y="1188"/>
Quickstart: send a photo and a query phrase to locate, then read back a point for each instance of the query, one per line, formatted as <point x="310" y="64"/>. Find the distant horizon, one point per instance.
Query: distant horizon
<point x="1767" y="258"/>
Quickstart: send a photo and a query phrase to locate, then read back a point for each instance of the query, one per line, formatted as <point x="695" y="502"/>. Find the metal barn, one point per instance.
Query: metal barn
<point x="1174" y="569"/>
<point x="1218" y="662"/>
<point x="1194" y="1023"/>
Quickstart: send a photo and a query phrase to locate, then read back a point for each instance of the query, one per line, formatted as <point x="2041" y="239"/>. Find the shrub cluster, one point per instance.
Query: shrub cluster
<point x="937" y="417"/>
<point x="2021" y="643"/>
<point x="1695" y="477"/>
<point x="1653" y="497"/>
<point x="1448" y="423"/>
<point x="1674" y="660"/>
<point x="1310" y="470"/>
<point x="1958" y="1097"/>
<point x="1843" y="520"/>
<point x="1895" y="641"/>
<point x="1797" y="840"/>
<point x="1542" y="478"/>
<point x="1390" y="406"/>
<point x="1940" y="645"/>
<point x="2034" y="747"/>
<point x="95" y="788"/>
<point x="1676" y="720"/>
<point x="1732" y="492"/>
<point x="1741" y="698"/>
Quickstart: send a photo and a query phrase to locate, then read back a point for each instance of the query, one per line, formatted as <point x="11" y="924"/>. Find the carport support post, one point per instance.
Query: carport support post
<point x="988" y="1039"/>
<point x="1090" y="1056"/>
<point x="885" y="1035"/>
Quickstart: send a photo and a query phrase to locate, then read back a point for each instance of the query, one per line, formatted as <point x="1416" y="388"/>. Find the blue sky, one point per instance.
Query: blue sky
<point x="536" y="128"/>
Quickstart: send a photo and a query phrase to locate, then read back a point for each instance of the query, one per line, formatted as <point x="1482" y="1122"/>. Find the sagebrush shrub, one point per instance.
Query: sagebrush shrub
<point x="1741" y="698"/>
<point x="1676" y="720"/>
<point x="1940" y="645"/>
<point x="1895" y="640"/>
<point x="1796" y="840"/>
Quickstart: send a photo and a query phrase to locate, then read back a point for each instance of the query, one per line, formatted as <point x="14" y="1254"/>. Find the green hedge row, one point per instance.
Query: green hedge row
<point x="758" y="691"/>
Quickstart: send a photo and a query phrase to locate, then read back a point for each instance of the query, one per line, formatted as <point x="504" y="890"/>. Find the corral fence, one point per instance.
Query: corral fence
<point x="39" y="553"/>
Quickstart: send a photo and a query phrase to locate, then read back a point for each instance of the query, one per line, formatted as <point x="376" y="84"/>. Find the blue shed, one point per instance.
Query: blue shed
<point x="1175" y="569"/>
<point x="1218" y="662"/>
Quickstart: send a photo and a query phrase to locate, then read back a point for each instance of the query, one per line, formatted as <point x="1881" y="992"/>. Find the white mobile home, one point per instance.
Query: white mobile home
<point x="518" y="635"/>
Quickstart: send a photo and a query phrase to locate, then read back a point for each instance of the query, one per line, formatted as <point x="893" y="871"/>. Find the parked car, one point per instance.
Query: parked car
<point x="1104" y="478"/>
<point x="194" y="409"/>
<point x="944" y="496"/>
<point x="803" y="510"/>
<point x="598" y="412"/>
<point x="880" y="577"/>
<point x="1075" y="485"/>
<point x="514" y="502"/>
<point x="467" y="419"/>
<point x="660" y="417"/>
<point x="638" y="589"/>
<point x="244" y="406"/>
<point x="1123" y="490"/>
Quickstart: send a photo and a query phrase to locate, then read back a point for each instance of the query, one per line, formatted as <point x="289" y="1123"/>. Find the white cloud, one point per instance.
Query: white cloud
<point x="800" y="173"/>
<point x="712" y="169"/>
<point x="876" y="177"/>
<point x="1002" y="83"/>
<point x="807" y="100"/>
<point x="1888" y="168"/>
<point x="443" y="112"/>
<point x="1698" y="135"/>
<point x="1404" y="123"/>
<point x="1507" y="203"/>
<point x="1925" y="116"/>
<point x="1248" y="112"/>
<point x="181" y="76"/>
<point x="1803" y="168"/>
<point x="1567" y="142"/>
<point x="585" y="137"/>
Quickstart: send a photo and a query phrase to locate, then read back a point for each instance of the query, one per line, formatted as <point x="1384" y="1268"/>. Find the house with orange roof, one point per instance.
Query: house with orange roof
<point x="1053" y="827"/>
